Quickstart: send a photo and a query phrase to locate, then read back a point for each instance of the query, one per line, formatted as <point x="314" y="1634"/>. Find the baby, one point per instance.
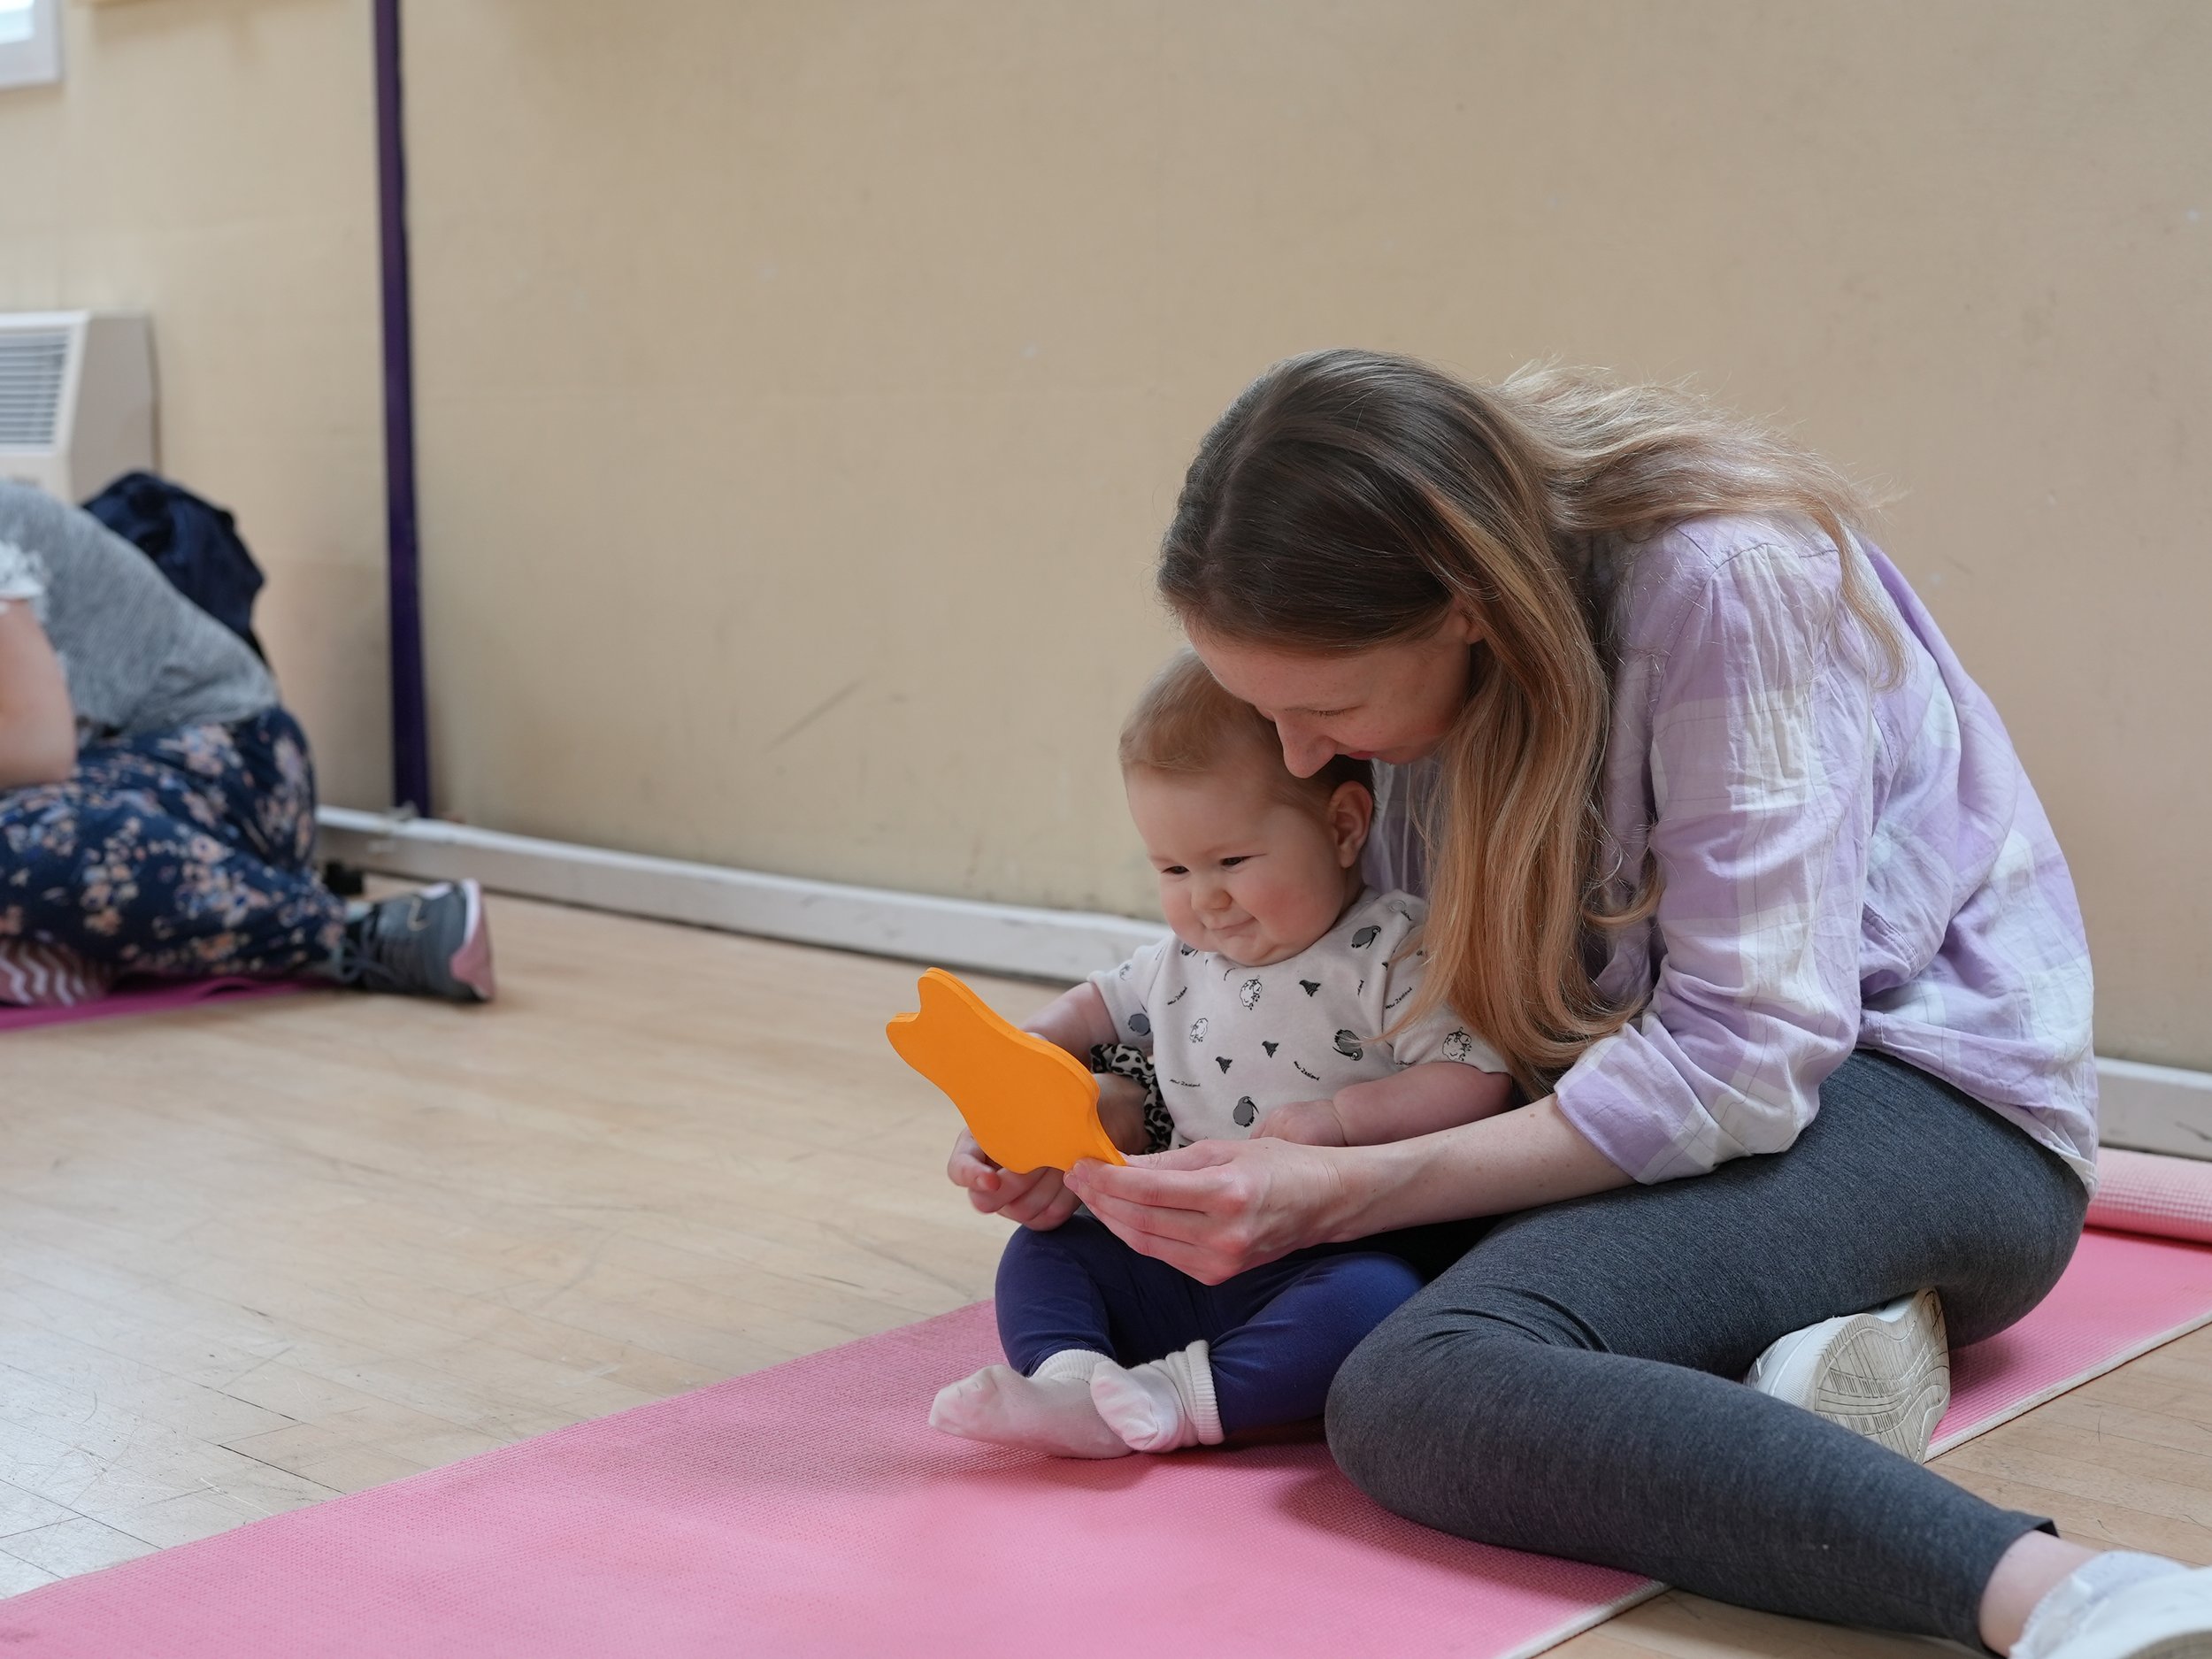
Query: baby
<point x="1277" y="1008"/>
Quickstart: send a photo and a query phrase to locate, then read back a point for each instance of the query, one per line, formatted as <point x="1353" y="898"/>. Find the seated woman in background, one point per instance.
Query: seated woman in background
<point x="156" y="801"/>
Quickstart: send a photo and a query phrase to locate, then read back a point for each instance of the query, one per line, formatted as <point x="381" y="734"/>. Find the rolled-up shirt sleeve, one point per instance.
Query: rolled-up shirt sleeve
<point x="1760" y="773"/>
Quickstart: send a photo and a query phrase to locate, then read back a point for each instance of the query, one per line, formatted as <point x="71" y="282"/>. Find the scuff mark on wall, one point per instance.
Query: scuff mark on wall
<point x="817" y="713"/>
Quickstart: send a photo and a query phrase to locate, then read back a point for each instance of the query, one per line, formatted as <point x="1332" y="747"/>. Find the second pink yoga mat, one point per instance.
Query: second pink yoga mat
<point x="146" y="997"/>
<point x="807" y="1510"/>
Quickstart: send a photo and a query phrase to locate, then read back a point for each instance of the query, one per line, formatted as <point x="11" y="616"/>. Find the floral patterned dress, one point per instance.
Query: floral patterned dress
<point x="182" y="854"/>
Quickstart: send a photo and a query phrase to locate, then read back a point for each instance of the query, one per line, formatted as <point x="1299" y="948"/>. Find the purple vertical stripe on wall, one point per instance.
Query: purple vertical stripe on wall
<point x="410" y="726"/>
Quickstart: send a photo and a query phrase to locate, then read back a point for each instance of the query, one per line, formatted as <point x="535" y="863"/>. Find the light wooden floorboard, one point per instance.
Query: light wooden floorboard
<point x="255" y="1256"/>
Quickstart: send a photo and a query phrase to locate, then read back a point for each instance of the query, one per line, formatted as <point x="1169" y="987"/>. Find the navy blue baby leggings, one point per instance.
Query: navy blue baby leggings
<point x="1276" y="1335"/>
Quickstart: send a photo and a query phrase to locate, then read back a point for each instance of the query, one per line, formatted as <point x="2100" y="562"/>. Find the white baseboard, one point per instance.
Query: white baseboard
<point x="2151" y="1108"/>
<point x="949" y="933"/>
<point x="2154" y="1108"/>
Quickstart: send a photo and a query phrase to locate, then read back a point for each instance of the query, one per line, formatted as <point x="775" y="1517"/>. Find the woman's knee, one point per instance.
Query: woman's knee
<point x="1363" y="1396"/>
<point x="1415" y="1383"/>
<point x="1992" y="1290"/>
<point x="1365" y="1405"/>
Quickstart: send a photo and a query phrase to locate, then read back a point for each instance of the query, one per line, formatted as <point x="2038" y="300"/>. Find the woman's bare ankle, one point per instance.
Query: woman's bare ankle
<point x="2027" y="1572"/>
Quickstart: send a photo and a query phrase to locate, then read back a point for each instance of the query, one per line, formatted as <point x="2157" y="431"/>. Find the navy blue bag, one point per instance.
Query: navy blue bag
<point x="192" y="542"/>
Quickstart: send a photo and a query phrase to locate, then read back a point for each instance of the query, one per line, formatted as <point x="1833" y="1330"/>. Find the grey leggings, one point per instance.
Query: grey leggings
<point x="1569" y="1386"/>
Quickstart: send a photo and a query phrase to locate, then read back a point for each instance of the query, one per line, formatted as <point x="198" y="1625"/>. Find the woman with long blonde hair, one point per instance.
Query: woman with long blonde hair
<point x="1737" y="869"/>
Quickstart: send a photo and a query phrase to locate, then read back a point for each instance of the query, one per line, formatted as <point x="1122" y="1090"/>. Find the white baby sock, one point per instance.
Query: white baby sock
<point x="2069" y="1603"/>
<point x="1070" y="1364"/>
<point x="1162" y="1405"/>
<point x="1049" y="1412"/>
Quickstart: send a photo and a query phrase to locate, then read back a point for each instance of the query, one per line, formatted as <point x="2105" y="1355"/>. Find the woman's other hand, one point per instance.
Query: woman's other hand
<point x="1220" y="1207"/>
<point x="1038" y="1200"/>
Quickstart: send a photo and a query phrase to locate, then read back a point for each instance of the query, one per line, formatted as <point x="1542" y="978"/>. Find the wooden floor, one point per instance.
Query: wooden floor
<point x="257" y="1255"/>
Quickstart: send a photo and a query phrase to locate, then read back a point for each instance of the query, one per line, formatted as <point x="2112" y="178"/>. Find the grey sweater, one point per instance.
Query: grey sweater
<point x="138" y="655"/>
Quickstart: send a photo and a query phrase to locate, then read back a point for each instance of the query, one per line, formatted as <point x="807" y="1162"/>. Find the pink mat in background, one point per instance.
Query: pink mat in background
<point x="142" y="998"/>
<point x="2142" y="1192"/>
<point x="807" y="1509"/>
<point x="2122" y="1296"/>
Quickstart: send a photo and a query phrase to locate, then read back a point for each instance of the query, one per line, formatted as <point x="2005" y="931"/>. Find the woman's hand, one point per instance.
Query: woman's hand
<point x="1218" y="1208"/>
<point x="1038" y="1200"/>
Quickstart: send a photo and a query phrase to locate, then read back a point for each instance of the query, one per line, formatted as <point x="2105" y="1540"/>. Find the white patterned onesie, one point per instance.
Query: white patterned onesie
<point x="1230" y="1043"/>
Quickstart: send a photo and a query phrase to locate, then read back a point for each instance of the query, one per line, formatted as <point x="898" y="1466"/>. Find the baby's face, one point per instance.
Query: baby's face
<point x="1242" y="871"/>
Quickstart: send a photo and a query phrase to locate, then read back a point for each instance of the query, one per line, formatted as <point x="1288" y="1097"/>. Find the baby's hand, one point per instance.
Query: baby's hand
<point x="1313" y="1122"/>
<point x="1037" y="1200"/>
<point x="1121" y="1111"/>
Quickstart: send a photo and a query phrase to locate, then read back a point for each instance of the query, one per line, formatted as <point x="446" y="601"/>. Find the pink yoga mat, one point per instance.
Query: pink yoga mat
<point x="2123" y="1296"/>
<point x="2142" y="1192"/>
<point x="807" y="1510"/>
<point x="157" y="998"/>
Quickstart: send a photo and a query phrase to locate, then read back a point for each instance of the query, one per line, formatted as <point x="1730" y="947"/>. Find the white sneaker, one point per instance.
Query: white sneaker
<point x="1884" y="1373"/>
<point x="2165" y="1618"/>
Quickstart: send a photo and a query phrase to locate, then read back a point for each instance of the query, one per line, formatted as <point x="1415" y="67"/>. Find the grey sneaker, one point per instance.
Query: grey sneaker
<point x="431" y="943"/>
<point x="1884" y="1373"/>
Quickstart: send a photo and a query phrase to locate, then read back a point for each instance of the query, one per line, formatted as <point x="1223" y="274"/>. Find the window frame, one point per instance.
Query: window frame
<point x="36" y="62"/>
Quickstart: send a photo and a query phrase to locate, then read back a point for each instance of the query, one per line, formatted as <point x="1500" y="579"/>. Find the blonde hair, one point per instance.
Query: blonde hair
<point x="1186" y="722"/>
<point x="1349" y="499"/>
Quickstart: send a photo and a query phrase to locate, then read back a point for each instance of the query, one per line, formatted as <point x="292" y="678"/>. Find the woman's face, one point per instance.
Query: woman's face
<point x="1390" y="703"/>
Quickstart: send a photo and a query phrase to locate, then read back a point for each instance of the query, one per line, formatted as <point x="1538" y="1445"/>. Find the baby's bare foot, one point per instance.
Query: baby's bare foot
<point x="1001" y="1405"/>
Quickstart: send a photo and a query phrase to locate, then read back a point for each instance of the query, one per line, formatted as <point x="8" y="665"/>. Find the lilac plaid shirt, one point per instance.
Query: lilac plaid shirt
<point x="1844" y="866"/>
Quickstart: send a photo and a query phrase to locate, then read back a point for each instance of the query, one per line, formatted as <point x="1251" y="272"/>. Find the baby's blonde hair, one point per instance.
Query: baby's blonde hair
<point x="1186" y="723"/>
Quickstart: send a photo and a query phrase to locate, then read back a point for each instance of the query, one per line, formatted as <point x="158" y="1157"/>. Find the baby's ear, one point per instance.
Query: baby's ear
<point x="1351" y="815"/>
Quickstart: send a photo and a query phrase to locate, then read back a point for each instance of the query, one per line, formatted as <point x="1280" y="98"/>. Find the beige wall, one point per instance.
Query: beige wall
<point x="805" y="385"/>
<point x="212" y="161"/>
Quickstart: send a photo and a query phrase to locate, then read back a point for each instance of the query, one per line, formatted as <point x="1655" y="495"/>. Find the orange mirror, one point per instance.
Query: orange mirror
<point x="1030" y="1104"/>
